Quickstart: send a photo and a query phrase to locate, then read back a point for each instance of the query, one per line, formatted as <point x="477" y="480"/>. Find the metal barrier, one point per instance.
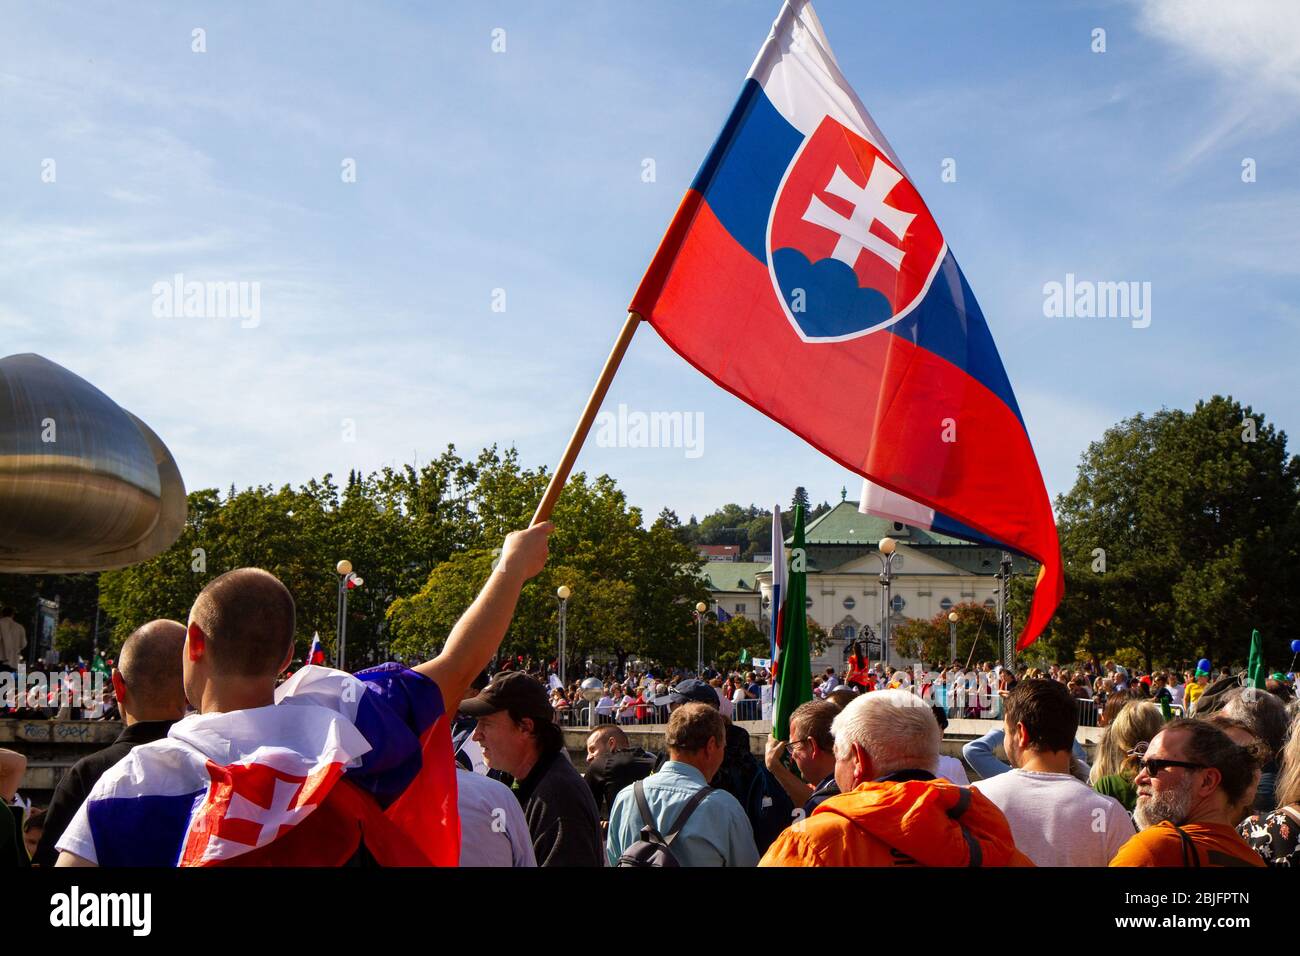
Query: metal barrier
<point x="748" y="709"/>
<point x="1089" y="713"/>
<point x="579" y="715"/>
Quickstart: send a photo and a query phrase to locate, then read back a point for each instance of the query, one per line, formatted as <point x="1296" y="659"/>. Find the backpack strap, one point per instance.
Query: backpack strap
<point x="647" y="818"/>
<point x="685" y="813"/>
<point x="1190" y="856"/>
<point x="972" y="844"/>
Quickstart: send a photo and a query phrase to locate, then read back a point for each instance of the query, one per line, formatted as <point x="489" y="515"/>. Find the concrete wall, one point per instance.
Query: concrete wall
<point x="52" y="746"/>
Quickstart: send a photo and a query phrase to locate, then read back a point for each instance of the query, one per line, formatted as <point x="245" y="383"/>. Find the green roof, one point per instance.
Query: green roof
<point x="845" y="524"/>
<point x="734" y="575"/>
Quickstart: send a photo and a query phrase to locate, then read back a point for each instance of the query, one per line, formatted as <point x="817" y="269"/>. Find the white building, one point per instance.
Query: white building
<point x="931" y="574"/>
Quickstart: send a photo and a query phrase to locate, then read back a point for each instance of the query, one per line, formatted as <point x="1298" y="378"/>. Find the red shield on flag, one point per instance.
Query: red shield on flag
<point x="852" y="247"/>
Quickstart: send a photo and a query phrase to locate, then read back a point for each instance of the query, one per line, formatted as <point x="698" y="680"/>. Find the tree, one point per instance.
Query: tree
<point x="1180" y="535"/>
<point x="927" y="638"/>
<point x="728" y="640"/>
<point x="801" y="498"/>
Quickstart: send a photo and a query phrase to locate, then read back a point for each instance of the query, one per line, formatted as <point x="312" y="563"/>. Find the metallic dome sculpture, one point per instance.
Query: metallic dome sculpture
<point x="84" y="484"/>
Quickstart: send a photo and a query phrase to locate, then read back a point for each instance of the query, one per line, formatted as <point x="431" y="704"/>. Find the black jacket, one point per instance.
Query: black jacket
<point x="75" y="786"/>
<point x="561" y="814"/>
<point x="611" y="772"/>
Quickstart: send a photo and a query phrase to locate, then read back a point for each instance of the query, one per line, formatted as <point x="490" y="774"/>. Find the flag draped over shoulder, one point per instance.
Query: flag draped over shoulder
<point x="794" y="668"/>
<point x="804" y="273"/>
<point x="339" y="763"/>
<point x="1255" y="671"/>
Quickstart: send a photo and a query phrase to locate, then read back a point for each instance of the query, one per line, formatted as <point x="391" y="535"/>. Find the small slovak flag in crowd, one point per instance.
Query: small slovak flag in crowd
<point x="804" y="273"/>
<point x="317" y="653"/>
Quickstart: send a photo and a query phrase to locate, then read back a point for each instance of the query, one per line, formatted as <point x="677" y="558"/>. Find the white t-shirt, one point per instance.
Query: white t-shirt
<point x="952" y="770"/>
<point x="493" y="831"/>
<point x="1057" y="819"/>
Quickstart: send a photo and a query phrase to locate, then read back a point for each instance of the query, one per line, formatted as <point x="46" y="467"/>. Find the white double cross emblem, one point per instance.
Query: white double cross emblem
<point x="868" y="206"/>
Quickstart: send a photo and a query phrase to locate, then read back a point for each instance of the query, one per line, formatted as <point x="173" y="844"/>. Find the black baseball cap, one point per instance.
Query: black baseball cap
<point x="515" y="692"/>
<point x="693" y="691"/>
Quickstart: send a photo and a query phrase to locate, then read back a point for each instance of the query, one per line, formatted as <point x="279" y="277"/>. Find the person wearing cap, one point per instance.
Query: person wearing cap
<point x="518" y="734"/>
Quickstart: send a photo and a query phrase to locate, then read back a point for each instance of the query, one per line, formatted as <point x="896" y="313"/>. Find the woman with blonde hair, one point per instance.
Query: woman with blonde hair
<point x="1276" y="836"/>
<point x="1114" y="771"/>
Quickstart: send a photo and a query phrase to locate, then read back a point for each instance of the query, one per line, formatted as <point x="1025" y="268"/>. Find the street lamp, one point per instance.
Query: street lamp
<point x="563" y="593"/>
<point x="887" y="547"/>
<point x="1006" y="642"/>
<point x="593" y="688"/>
<point x="952" y="635"/>
<point x="348" y="580"/>
<point x="700" y="608"/>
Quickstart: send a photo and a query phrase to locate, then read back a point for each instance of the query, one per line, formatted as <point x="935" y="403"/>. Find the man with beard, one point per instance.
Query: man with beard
<point x="1191" y="783"/>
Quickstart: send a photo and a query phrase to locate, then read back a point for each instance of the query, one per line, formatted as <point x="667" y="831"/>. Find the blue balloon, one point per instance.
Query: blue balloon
<point x="1295" y="647"/>
<point x="1203" y="664"/>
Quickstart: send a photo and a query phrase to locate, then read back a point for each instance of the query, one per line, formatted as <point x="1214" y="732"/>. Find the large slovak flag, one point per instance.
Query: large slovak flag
<point x="339" y="761"/>
<point x="804" y="274"/>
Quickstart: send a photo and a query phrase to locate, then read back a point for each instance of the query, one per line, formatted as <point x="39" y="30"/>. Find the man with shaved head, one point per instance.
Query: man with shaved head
<point x="151" y="697"/>
<point x="326" y="769"/>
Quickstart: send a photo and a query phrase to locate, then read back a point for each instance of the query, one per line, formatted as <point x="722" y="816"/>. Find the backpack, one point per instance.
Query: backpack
<point x="768" y="807"/>
<point x="653" y="849"/>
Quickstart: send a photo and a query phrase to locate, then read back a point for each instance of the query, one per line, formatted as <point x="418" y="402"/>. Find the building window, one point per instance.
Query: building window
<point x="946" y="604"/>
<point x="849" y="604"/>
<point x="990" y="603"/>
<point x="898" y="604"/>
<point x="807" y="602"/>
<point x="850" y="632"/>
<point x="740" y="609"/>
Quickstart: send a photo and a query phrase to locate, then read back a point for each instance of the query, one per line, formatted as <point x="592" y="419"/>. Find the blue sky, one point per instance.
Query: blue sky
<point x="522" y="171"/>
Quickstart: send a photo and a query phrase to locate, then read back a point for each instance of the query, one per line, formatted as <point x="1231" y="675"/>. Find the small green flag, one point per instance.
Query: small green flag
<point x="1255" y="668"/>
<point x="744" y="655"/>
<point x="1165" y="710"/>
<point x="794" y="666"/>
<point x="98" y="666"/>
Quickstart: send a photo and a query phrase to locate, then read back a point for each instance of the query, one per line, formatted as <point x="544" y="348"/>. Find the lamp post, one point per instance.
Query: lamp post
<point x="952" y="635"/>
<point x="700" y="608"/>
<point x="348" y="580"/>
<point x="563" y="593"/>
<point x="1006" y="642"/>
<point x="593" y="688"/>
<point x="887" y="547"/>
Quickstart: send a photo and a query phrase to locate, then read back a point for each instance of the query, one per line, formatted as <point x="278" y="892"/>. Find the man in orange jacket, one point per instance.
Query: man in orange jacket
<point x="892" y="809"/>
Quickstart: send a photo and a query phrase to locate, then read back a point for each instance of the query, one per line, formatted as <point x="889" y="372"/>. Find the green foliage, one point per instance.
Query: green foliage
<point x="1200" y="529"/>
<point x="73" y="639"/>
<point x="633" y="588"/>
<point x="928" y="639"/>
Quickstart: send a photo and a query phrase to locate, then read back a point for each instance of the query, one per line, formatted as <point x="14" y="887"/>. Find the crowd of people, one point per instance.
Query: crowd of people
<point x="461" y="760"/>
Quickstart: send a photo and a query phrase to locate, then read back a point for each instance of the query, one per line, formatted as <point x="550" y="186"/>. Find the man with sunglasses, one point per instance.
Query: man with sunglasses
<point x="811" y="747"/>
<point x="1192" y="779"/>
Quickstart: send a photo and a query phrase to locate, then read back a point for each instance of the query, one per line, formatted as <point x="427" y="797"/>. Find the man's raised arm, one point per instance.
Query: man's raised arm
<point x="478" y="633"/>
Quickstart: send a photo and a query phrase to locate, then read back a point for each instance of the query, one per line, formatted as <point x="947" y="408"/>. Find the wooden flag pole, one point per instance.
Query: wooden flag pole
<point x="561" y="475"/>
